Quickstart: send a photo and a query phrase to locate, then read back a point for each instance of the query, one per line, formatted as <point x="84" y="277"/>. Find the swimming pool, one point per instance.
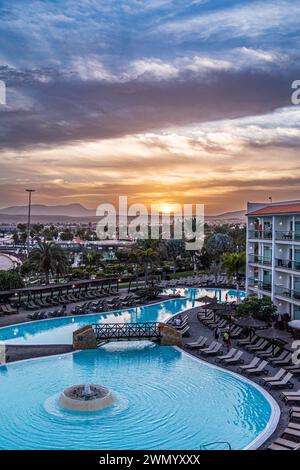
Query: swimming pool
<point x="59" y="330"/>
<point x="165" y="399"/>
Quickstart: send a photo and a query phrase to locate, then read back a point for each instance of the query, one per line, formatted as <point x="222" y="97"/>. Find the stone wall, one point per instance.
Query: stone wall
<point x="169" y="335"/>
<point x="84" y="338"/>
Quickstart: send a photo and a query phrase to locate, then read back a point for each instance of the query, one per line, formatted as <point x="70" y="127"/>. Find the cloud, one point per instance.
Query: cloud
<point x="251" y="20"/>
<point x="208" y="163"/>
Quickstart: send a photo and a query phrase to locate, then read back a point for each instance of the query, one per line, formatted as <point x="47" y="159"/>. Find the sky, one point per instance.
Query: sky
<point x="165" y="101"/>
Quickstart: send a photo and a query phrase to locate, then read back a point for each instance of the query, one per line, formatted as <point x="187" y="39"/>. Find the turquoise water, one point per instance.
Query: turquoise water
<point x="59" y="330"/>
<point x="164" y="400"/>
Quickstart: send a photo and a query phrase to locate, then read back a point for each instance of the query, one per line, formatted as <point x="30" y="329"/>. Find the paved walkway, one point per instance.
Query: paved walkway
<point x="197" y="329"/>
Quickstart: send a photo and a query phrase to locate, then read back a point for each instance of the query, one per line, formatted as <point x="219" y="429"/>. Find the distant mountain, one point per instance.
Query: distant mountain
<point x="70" y="210"/>
<point x="76" y="213"/>
<point x="229" y="215"/>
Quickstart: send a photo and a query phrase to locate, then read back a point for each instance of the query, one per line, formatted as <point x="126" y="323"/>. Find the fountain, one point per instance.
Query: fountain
<point x="86" y="397"/>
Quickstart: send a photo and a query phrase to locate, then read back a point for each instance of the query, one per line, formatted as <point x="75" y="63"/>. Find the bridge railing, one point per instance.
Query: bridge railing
<point x="107" y="331"/>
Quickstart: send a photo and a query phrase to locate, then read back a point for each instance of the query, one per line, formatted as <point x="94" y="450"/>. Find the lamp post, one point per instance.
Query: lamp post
<point x="29" y="191"/>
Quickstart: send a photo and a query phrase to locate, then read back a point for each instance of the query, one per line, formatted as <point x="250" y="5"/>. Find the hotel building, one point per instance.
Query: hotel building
<point x="273" y="254"/>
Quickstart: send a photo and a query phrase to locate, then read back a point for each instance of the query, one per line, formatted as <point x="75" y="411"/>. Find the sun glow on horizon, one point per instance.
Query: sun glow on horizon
<point x="167" y="208"/>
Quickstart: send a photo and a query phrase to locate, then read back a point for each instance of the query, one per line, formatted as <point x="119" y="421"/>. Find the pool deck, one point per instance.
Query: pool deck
<point x="16" y="353"/>
<point x="197" y="329"/>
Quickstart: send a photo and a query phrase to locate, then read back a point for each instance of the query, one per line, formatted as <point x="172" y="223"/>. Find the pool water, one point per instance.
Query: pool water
<point x="59" y="330"/>
<point x="165" y="399"/>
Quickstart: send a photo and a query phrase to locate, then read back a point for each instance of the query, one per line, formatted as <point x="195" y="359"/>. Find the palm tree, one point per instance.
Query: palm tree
<point x="234" y="264"/>
<point x="48" y="258"/>
<point x="145" y="257"/>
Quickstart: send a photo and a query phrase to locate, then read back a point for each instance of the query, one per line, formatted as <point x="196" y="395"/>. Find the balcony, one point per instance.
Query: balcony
<point x="261" y="285"/>
<point x="288" y="264"/>
<point x="261" y="234"/>
<point x="287" y="236"/>
<point x="256" y="259"/>
<point x="286" y="292"/>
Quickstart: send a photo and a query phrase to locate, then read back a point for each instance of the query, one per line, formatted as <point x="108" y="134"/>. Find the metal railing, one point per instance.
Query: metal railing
<point x="126" y="331"/>
<point x="262" y="285"/>
<point x="261" y="234"/>
<point x="287" y="235"/>
<point x="287" y="264"/>
<point x="260" y="260"/>
<point x="286" y="292"/>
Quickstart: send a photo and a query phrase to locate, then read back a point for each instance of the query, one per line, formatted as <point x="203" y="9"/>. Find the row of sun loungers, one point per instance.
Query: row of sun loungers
<point x="290" y="438"/>
<point x="214" y="322"/>
<point x="204" y="280"/>
<point x="7" y="309"/>
<point x="183" y="328"/>
<point x="49" y="301"/>
<point x="89" y="307"/>
<point x="266" y="355"/>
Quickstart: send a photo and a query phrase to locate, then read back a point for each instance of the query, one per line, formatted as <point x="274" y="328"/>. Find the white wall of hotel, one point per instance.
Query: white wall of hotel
<point x="273" y="254"/>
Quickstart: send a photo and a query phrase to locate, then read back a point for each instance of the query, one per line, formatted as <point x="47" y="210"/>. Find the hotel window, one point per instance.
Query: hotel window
<point x="296" y="312"/>
<point x="297" y="230"/>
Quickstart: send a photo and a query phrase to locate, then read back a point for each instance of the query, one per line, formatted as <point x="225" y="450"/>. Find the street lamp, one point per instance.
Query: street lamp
<point x="29" y="191"/>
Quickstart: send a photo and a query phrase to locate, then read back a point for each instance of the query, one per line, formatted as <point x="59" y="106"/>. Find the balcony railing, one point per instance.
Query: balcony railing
<point x="260" y="260"/>
<point x="286" y="292"/>
<point x="287" y="235"/>
<point x="261" y="234"/>
<point x="262" y="285"/>
<point x="288" y="264"/>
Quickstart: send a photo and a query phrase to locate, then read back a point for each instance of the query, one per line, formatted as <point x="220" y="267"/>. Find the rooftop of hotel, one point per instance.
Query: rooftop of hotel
<point x="289" y="207"/>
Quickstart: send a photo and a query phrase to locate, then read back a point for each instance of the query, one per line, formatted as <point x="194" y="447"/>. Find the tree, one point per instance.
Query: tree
<point x="11" y="279"/>
<point x="234" y="264"/>
<point x="214" y="269"/>
<point x="92" y="259"/>
<point x="218" y="244"/>
<point x="48" y="258"/>
<point x="144" y="257"/>
<point x="174" y="249"/>
<point x="67" y="235"/>
<point x="261" y="309"/>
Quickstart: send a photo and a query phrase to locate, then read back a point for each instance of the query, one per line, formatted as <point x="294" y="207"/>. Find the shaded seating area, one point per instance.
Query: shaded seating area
<point x="53" y="300"/>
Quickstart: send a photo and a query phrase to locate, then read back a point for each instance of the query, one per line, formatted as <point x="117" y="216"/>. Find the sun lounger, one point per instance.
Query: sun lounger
<point x="195" y="343"/>
<point x="268" y="352"/>
<point x="257" y="370"/>
<point x="226" y="356"/>
<point x="236" y="332"/>
<point x="291" y="431"/>
<point x="201" y="344"/>
<point x="251" y="365"/>
<point x="246" y="341"/>
<point x="211" y="346"/>
<point x="284" y="362"/>
<point x="283" y="444"/>
<point x="295" y="394"/>
<point x="214" y="351"/>
<point x="294" y="369"/>
<point x="284" y="382"/>
<point x="236" y="359"/>
<point x="255" y="344"/>
<point x="258" y="348"/>
<point x="184" y="330"/>
<point x="276" y="377"/>
<point x="282" y="356"/>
